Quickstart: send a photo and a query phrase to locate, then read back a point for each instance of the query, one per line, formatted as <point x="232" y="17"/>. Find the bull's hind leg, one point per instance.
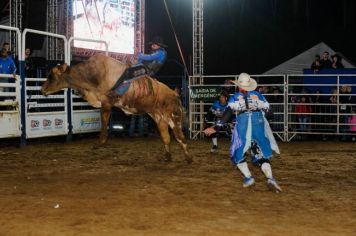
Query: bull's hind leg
<point x="176" y="126"/>
<point x="166" y="138"/>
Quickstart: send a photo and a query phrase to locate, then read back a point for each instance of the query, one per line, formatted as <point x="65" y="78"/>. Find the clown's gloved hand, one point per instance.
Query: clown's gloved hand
<point x="261" y="105"/>
<point x="237" y="106"/>
<point x="219" y="123"/>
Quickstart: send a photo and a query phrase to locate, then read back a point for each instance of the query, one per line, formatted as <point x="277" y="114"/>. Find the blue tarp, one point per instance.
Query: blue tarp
<point x="329" y="79"/>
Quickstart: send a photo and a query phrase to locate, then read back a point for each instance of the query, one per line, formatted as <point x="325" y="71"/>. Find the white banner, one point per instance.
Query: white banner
<point x="41" y="125"/>
<point x="9" y="124"/>
<point x="86" y="121"/>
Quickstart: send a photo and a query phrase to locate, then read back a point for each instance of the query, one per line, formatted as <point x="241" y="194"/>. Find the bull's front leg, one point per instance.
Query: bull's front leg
<point x="105" y="116"/>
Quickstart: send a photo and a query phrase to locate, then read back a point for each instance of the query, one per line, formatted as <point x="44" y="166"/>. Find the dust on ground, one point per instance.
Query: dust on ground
<point x="124" y="188"/>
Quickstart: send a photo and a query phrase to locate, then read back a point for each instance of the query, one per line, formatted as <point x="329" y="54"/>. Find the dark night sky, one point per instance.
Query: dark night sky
<point x="252" y="35"/>
<point x="255" y="35"/>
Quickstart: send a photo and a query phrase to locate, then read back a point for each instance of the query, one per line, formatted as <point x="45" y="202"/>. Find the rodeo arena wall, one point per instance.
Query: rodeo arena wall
<point x="330" y="97"/>
<point x="24" y="112"/>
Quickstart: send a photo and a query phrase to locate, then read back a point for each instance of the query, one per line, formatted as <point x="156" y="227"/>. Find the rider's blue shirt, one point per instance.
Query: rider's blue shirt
<point x="158" y="56"/>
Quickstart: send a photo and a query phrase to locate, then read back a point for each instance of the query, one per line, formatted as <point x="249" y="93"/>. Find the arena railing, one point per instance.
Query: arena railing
<point x="330" y="111"/>
<point x="10" y="100"/>
<point x="10" y="97"/>
<point x="84" y="117"/>
<point x="325" y="119"/>
<point x="43" y="116"/>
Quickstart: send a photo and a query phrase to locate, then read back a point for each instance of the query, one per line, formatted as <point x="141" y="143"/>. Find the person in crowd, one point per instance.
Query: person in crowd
<point x="7" y="66"/>
<point x="251" y="126"/>
<point x="6" y="46"/>
<point x="325" y="62"/>
<point x="277" y="106"/>
<point x="331" y="109"/>
<point x="265" y="90"/>
<point x="29" y="64"/>
<point x="345" y="101"/>
<point x="318" y="98"/>
<point x="214" y="114"/>
<point x="318" y="109"/>
<point x="277" y="96"/>
<point x="333" y="97"/>
<point x="337" y="61"/>
<point x="306" y="92"/>
<point x="315" y="66"/>
<point x="352" y="124"/>
<point x="302" y="109"/>
<point x="228" y="88"/>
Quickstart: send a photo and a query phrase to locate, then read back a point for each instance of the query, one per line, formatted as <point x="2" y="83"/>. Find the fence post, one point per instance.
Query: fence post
<point x="23" y="101"/>
<point x="69" y="98"/>
<point x="286" y="107"/>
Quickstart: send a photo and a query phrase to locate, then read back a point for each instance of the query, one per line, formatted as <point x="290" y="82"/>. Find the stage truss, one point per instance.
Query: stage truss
<point x="198" y="66"/>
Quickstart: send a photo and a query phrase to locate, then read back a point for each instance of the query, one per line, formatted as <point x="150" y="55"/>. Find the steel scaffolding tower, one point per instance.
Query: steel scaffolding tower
<point x="140" y="26"/>
<point x="196" y="108"/>
<point x="198" y="50"/>
<point x="16" y="11"/>
<point x="54" y="48"/>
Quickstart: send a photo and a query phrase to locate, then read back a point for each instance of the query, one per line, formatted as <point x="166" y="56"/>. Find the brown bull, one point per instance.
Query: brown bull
<point x="95" y="78"/>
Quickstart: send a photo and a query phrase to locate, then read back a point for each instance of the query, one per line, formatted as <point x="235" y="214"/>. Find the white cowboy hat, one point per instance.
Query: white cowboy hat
<point x="245" y="82"/>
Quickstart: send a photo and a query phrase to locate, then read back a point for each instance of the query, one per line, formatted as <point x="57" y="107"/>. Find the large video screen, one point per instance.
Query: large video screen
<point x="109" y="20"/>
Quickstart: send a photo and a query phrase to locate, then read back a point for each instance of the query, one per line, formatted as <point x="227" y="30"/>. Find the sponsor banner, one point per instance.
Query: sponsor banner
<point x="10" y="125"/>
<point x="84" y="122"/>
<point x="46" y="125"/>
<point x="204" y="93"/>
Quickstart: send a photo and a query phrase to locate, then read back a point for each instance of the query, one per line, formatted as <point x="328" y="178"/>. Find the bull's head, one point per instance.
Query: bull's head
<point x="55" y="80"/>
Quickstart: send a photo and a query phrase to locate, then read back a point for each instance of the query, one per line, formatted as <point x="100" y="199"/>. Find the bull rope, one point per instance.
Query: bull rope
<point x="175" y="35"/>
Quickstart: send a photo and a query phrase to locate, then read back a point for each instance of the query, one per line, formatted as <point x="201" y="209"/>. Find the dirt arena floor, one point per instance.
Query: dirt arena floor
<point x="58" y="188"/>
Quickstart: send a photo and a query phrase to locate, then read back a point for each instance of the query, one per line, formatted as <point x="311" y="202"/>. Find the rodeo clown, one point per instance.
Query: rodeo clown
<point x="214" y="114"/>
<point x="252" y="131"/>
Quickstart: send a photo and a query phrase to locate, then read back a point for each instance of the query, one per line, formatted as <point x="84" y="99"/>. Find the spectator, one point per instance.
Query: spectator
<point x="337" y="61"/>
<point x="6" y="46"/>
<point x="265" y="90"/>
<point x="7" y="66"/>
<point x="333" y="98"/>
<point x="315" y="66"/>
<point x="275" y="114"/>
<point x="345" y="101"/>
<point x="302" y="108"/>
<point x="318" y="98"/>
<point x="29" y="64"/>
<point x="277" y="95"/>
<point x="318" y="117"/>
<point x="325" y="62"/>
<point x="352" y="124"/>
<point x="228" y="87"/>
<point x="331" y="110"/>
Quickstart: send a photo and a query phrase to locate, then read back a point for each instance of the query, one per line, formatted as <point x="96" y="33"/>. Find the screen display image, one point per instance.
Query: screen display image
<point x="110" y="20"/>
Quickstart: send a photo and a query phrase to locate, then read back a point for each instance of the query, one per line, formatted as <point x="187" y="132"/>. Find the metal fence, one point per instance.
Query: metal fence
<point x="300" y="110"/>
<point x="10" y="100"/>
<point x="26" y="113"/>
